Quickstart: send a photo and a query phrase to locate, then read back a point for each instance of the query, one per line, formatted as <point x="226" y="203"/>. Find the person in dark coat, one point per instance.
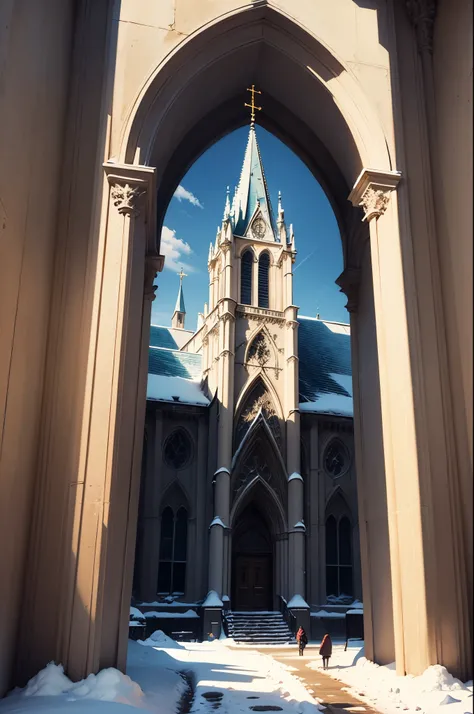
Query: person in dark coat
<point x="302" y="640"/>
<point x="326" y="650"/>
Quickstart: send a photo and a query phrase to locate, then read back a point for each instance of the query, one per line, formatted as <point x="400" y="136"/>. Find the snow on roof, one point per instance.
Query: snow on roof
<point x="325" y="383"/>
<point x="175" y="389"/>
<point x="336" y="404"/>
<point x="325" y="613"/>
<point x="159" y="614"/>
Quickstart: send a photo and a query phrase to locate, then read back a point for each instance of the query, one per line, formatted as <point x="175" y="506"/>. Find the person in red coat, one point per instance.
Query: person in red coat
<point x="302" y="640"/>
<point x="326" y="650"/>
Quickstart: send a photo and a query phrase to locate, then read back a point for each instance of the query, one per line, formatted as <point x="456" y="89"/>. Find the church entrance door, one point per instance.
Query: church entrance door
<point x="253" y="579"/>
<point x="252" y="561"/>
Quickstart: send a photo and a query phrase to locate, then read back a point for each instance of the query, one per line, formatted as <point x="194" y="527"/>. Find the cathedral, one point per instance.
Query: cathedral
<point x="248" y="486"/>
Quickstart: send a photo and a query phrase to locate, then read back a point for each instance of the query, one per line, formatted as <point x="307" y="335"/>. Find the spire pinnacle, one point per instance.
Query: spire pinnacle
<point x="227" y="205"/>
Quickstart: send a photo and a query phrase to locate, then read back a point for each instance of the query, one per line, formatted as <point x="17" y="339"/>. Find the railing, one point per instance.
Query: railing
<point x="288" y="616"/>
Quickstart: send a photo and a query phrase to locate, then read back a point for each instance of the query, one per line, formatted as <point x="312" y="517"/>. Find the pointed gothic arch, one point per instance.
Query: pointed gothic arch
<point x="260" y="490"/>
<point x="262" y="332"/>
<point x="258" y="399"/>
<point x="252" y="382"/>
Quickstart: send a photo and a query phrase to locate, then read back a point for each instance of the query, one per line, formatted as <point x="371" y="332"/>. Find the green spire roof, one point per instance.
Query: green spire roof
<point x="180" y="300"/>
<point x="252" y="196"/>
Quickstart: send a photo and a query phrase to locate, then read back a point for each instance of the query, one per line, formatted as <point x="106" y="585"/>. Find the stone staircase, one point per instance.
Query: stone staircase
<point x="258" y="628"/>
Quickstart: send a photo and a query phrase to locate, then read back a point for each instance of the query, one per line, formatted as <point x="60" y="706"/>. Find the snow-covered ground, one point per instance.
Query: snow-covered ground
<point x="433" y="692"/>
<point x="159" y="674"/>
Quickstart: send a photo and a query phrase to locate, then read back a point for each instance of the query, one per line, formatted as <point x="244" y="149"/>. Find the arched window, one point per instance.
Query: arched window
<point x="173" y="551"/>
<point x="338" y="556"/>
<point x="263" y="278"/>
<point x="246" y="278"/>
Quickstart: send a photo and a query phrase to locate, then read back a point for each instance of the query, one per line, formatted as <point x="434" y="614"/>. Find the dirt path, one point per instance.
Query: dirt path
<point x="328" y="691"/>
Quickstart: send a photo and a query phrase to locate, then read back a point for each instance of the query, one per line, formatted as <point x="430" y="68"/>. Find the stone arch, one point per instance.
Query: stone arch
<point x="266" y="33"/>
<point x="258" y="489"/>
<point x="260" y="376"/>
<point x="258" y="458"/>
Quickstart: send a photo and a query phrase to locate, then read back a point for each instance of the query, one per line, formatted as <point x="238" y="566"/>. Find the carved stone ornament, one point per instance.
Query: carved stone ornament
<point x="125" y="198"/>
<point x="259" y="350"/>
<point x="374" y="202"/>
<point x="422" y="15"/>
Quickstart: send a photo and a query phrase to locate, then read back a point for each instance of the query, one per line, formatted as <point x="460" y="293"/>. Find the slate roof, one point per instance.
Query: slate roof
<point x="173" y="363"/>
<point x="324" y="350"/>
<point x="162" y="337"/>
<point x="324" y="355"/>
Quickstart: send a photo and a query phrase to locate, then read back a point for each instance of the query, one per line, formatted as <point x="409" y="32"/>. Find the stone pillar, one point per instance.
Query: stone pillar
<point x="104" y="514"/>
<point x="408" y="445"/>
<point x="296" y="528"/>
<point x="218" y="550"/>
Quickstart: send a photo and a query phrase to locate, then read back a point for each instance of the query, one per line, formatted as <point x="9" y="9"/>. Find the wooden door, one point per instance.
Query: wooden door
<point x="253" y="582"/>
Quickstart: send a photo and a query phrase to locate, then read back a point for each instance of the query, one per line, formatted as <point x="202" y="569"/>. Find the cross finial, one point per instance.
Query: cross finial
<point x="181" y="275"/>
<point x="252" y="106"/>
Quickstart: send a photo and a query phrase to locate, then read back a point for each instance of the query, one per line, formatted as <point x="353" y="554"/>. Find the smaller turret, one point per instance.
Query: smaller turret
<point x="179" y="314"/>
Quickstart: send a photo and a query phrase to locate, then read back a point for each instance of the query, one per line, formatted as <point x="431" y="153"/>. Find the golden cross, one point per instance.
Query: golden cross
<point x="182" y="275"/>
<point x="253" y="106"/>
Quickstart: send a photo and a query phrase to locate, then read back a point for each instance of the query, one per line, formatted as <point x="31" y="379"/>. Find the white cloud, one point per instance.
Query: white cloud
<point x="183" y="195"/>
<point x="173" y="249"/>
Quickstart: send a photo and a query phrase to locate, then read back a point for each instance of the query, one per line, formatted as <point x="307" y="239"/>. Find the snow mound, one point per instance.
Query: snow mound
<point x="437" y="678"/>
<point x="159" y="639"/>
<point x="109" y="685"/>
<point x="212" y="600"/>
<point x="297" y="601"/>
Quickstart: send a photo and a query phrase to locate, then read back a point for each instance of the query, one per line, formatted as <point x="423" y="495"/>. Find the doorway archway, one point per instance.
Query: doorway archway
<point x="317" y="106"/>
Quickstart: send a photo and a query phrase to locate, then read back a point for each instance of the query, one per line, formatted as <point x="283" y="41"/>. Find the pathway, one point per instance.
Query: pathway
<point x="328" y="691"/>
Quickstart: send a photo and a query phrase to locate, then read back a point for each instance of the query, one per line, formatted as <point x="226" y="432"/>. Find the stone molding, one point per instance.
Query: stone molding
<point x="372" y="191"/>
<point x="421" y="14"/>
<point x="348" y="282"/>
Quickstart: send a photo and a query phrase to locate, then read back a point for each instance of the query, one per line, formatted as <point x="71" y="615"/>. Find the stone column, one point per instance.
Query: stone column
<point x="218" y="552"/>
<point x="296" y="529"/>
<point x="104" y="517"/>
<point x="374" y="192"/>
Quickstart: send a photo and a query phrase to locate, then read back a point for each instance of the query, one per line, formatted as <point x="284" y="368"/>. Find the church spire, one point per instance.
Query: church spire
<point x="253" y="213"/>
<point x="179" y="314"/>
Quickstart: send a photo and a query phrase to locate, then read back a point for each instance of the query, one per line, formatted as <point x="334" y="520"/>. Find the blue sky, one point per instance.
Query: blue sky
<point x="196" y="210"/>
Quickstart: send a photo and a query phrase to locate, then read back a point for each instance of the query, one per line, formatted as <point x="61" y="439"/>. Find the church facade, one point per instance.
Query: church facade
<point x="248" y="480"/>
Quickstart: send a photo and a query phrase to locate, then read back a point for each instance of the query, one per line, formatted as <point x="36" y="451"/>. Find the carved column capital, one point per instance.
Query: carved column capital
<point x="126" y="198"/>
<point x="348" y="282"/>
<point x="421" y="14"/>
<point x="372" y="191"/>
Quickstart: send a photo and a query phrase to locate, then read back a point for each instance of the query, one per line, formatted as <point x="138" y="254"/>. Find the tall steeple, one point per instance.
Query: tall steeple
<point x="252" y="209"/>
<point x="179" y="314"/>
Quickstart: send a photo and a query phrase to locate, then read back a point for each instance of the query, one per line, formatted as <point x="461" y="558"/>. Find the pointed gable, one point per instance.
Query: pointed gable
<point x="252" y="210"/>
